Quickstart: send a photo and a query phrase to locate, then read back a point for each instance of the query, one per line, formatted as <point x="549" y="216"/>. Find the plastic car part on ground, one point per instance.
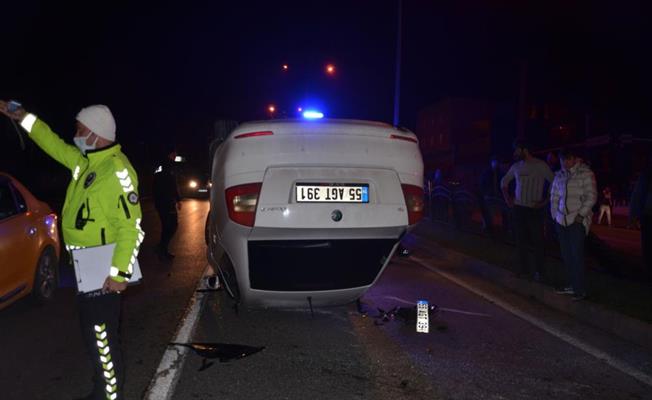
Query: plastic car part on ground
<point x="407" y="315"/>
<point x="222" y="351"/>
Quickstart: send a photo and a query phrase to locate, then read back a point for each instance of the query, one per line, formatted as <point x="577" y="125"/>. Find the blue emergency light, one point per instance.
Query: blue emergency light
<point x="312" y="114"/>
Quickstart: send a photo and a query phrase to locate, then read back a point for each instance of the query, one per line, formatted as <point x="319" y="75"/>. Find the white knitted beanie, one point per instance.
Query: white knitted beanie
<point x="99" y="120"/>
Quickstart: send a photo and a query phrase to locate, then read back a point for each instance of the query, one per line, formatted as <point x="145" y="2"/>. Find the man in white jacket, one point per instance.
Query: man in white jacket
<point x="572" y="197"/>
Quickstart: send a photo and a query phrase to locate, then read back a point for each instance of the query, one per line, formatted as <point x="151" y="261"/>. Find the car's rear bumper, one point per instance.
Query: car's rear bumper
<point x="283" y="267"/>
<point x="316" y="265"/>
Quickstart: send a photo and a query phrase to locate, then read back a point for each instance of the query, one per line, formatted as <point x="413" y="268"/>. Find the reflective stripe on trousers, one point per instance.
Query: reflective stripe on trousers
<point x="100" y="319"/>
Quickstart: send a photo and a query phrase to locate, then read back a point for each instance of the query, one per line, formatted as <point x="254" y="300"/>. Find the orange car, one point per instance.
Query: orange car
<point x="29" y="244"/>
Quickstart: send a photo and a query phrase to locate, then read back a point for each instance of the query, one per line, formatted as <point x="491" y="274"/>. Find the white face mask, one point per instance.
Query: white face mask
<point x="80" y="142"/>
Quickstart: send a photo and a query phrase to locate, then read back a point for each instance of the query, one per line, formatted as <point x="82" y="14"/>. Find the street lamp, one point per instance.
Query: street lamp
<point x="271" y="109"/>
<point x="285" y="67"/>
<point x="330" y="69"/>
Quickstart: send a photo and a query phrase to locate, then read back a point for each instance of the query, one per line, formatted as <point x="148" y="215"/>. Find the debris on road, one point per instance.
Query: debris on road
<point x="223" y="351"/>
<point x="408" y="315"/>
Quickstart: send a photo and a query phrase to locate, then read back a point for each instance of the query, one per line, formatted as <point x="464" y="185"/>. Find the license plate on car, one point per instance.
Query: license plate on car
<point x="322" y="193"/>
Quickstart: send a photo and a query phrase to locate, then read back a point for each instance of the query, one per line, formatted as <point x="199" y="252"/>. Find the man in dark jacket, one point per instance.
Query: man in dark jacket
<point x="640" y="208"/>
<point x="167" y="201"/>
<point x="490" y="192"/>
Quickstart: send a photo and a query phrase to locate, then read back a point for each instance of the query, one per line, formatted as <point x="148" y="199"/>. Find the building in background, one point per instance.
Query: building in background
<point x="458" y="136"/>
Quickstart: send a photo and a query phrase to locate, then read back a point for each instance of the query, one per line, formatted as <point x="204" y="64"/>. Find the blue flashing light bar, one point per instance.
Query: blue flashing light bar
<point x="311" y="114"/>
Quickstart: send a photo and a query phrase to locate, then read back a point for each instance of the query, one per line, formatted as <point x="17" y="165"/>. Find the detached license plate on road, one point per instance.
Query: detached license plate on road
<point x="317" y="193"/>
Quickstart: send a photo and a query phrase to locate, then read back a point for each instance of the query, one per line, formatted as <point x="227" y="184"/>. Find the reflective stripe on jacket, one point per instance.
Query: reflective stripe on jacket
<point x="102" y="204"/>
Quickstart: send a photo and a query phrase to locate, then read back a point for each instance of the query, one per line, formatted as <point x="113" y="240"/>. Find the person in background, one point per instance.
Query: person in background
<point x="553" y="161"/>
<point x="489" y="191"/>
<point x="531" y="175"/>
<point x="606" y="205"/>
<point x="572" y="197"/>
<point x="167" y="201"/>
<point x="549" y="231"/>
<point x="437" y="177"/>
<point x="640" y="211"/>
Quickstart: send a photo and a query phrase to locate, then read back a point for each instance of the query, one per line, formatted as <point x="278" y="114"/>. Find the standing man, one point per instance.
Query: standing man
<point x="549" y="230"/>
<point x="101" y="207"/>
<point x="531" y="175"/>
<point x="167" y="201"/>
<point x="640" y="210"/>
<point x="553" y="162"/>
<point x="572" y="198"/>
<point x="490" y="190"/>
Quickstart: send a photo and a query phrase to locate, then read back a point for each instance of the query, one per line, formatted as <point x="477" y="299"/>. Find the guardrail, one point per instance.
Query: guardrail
<point x="467" y="210"/>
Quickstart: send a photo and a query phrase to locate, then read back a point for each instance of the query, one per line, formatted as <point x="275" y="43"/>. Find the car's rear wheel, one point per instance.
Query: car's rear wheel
<point x="45" y="276"/>
<point x="228" y="278"/>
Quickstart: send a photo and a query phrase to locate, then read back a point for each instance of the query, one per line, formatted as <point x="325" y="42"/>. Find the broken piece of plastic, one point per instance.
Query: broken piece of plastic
<point x="222" y="351"/>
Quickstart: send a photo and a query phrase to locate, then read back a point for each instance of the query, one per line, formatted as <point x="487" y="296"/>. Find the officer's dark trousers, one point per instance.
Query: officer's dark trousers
<point x="528" y="228"/>
<point x="100" y="325"/>
<point x="169" y="224"/>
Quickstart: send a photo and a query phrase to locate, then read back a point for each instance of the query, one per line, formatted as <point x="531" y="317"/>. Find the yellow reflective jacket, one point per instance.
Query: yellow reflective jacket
<point x="102" y="203"/>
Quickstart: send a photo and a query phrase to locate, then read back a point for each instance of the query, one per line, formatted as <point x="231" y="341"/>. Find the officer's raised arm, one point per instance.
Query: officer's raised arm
<point x="66" y="154"/>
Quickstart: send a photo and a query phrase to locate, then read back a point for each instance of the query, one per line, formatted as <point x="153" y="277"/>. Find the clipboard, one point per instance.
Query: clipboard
<point x="92" y="265"/>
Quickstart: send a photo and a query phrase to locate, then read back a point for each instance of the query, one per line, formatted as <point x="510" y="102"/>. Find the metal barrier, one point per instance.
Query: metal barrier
<point x="439" y="203"/>
<point x="466" y="210"/>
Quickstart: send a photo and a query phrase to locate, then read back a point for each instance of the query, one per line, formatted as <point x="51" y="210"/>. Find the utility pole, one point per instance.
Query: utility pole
<point x="397" y="80"/>
<point x="522" y="101"/>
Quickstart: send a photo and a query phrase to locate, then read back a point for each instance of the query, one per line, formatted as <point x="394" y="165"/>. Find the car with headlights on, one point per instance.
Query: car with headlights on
<point x="309" y="212"/>
<point x="29" y="245"/>
<point x="195" y="185"/>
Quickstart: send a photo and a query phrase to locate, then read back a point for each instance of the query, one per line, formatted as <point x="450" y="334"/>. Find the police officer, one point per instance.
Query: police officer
<point x="101" y="207"/>
<point x="167" y="200"/>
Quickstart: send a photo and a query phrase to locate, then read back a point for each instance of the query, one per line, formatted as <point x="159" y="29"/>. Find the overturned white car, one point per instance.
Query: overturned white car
<point x="310" y="212"/>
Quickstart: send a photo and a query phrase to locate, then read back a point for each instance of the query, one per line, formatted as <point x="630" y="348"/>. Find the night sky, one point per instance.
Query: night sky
<point x="168" y="69"/>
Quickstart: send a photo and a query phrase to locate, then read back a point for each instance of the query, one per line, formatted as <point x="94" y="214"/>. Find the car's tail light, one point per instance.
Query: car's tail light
<point x="253" y="134"/>
<point x="401" y="137"/>
<point x="414" y="202"/>
<point x="241" y="202"/>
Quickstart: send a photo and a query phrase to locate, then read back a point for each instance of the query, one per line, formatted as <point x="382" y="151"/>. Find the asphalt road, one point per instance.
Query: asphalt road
<point x="477" y="347"/>
<point x="41" y="350"/>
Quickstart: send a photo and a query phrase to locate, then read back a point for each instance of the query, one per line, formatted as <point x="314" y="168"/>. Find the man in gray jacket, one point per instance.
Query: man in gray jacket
<point x="572" y="197"/>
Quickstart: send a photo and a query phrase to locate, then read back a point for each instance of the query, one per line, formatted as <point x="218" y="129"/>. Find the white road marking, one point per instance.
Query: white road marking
<point x="169" y="369"/>
<point x="453" y="310"/>
<point x="400" y="300"/>
<point x="592" y="350"/>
